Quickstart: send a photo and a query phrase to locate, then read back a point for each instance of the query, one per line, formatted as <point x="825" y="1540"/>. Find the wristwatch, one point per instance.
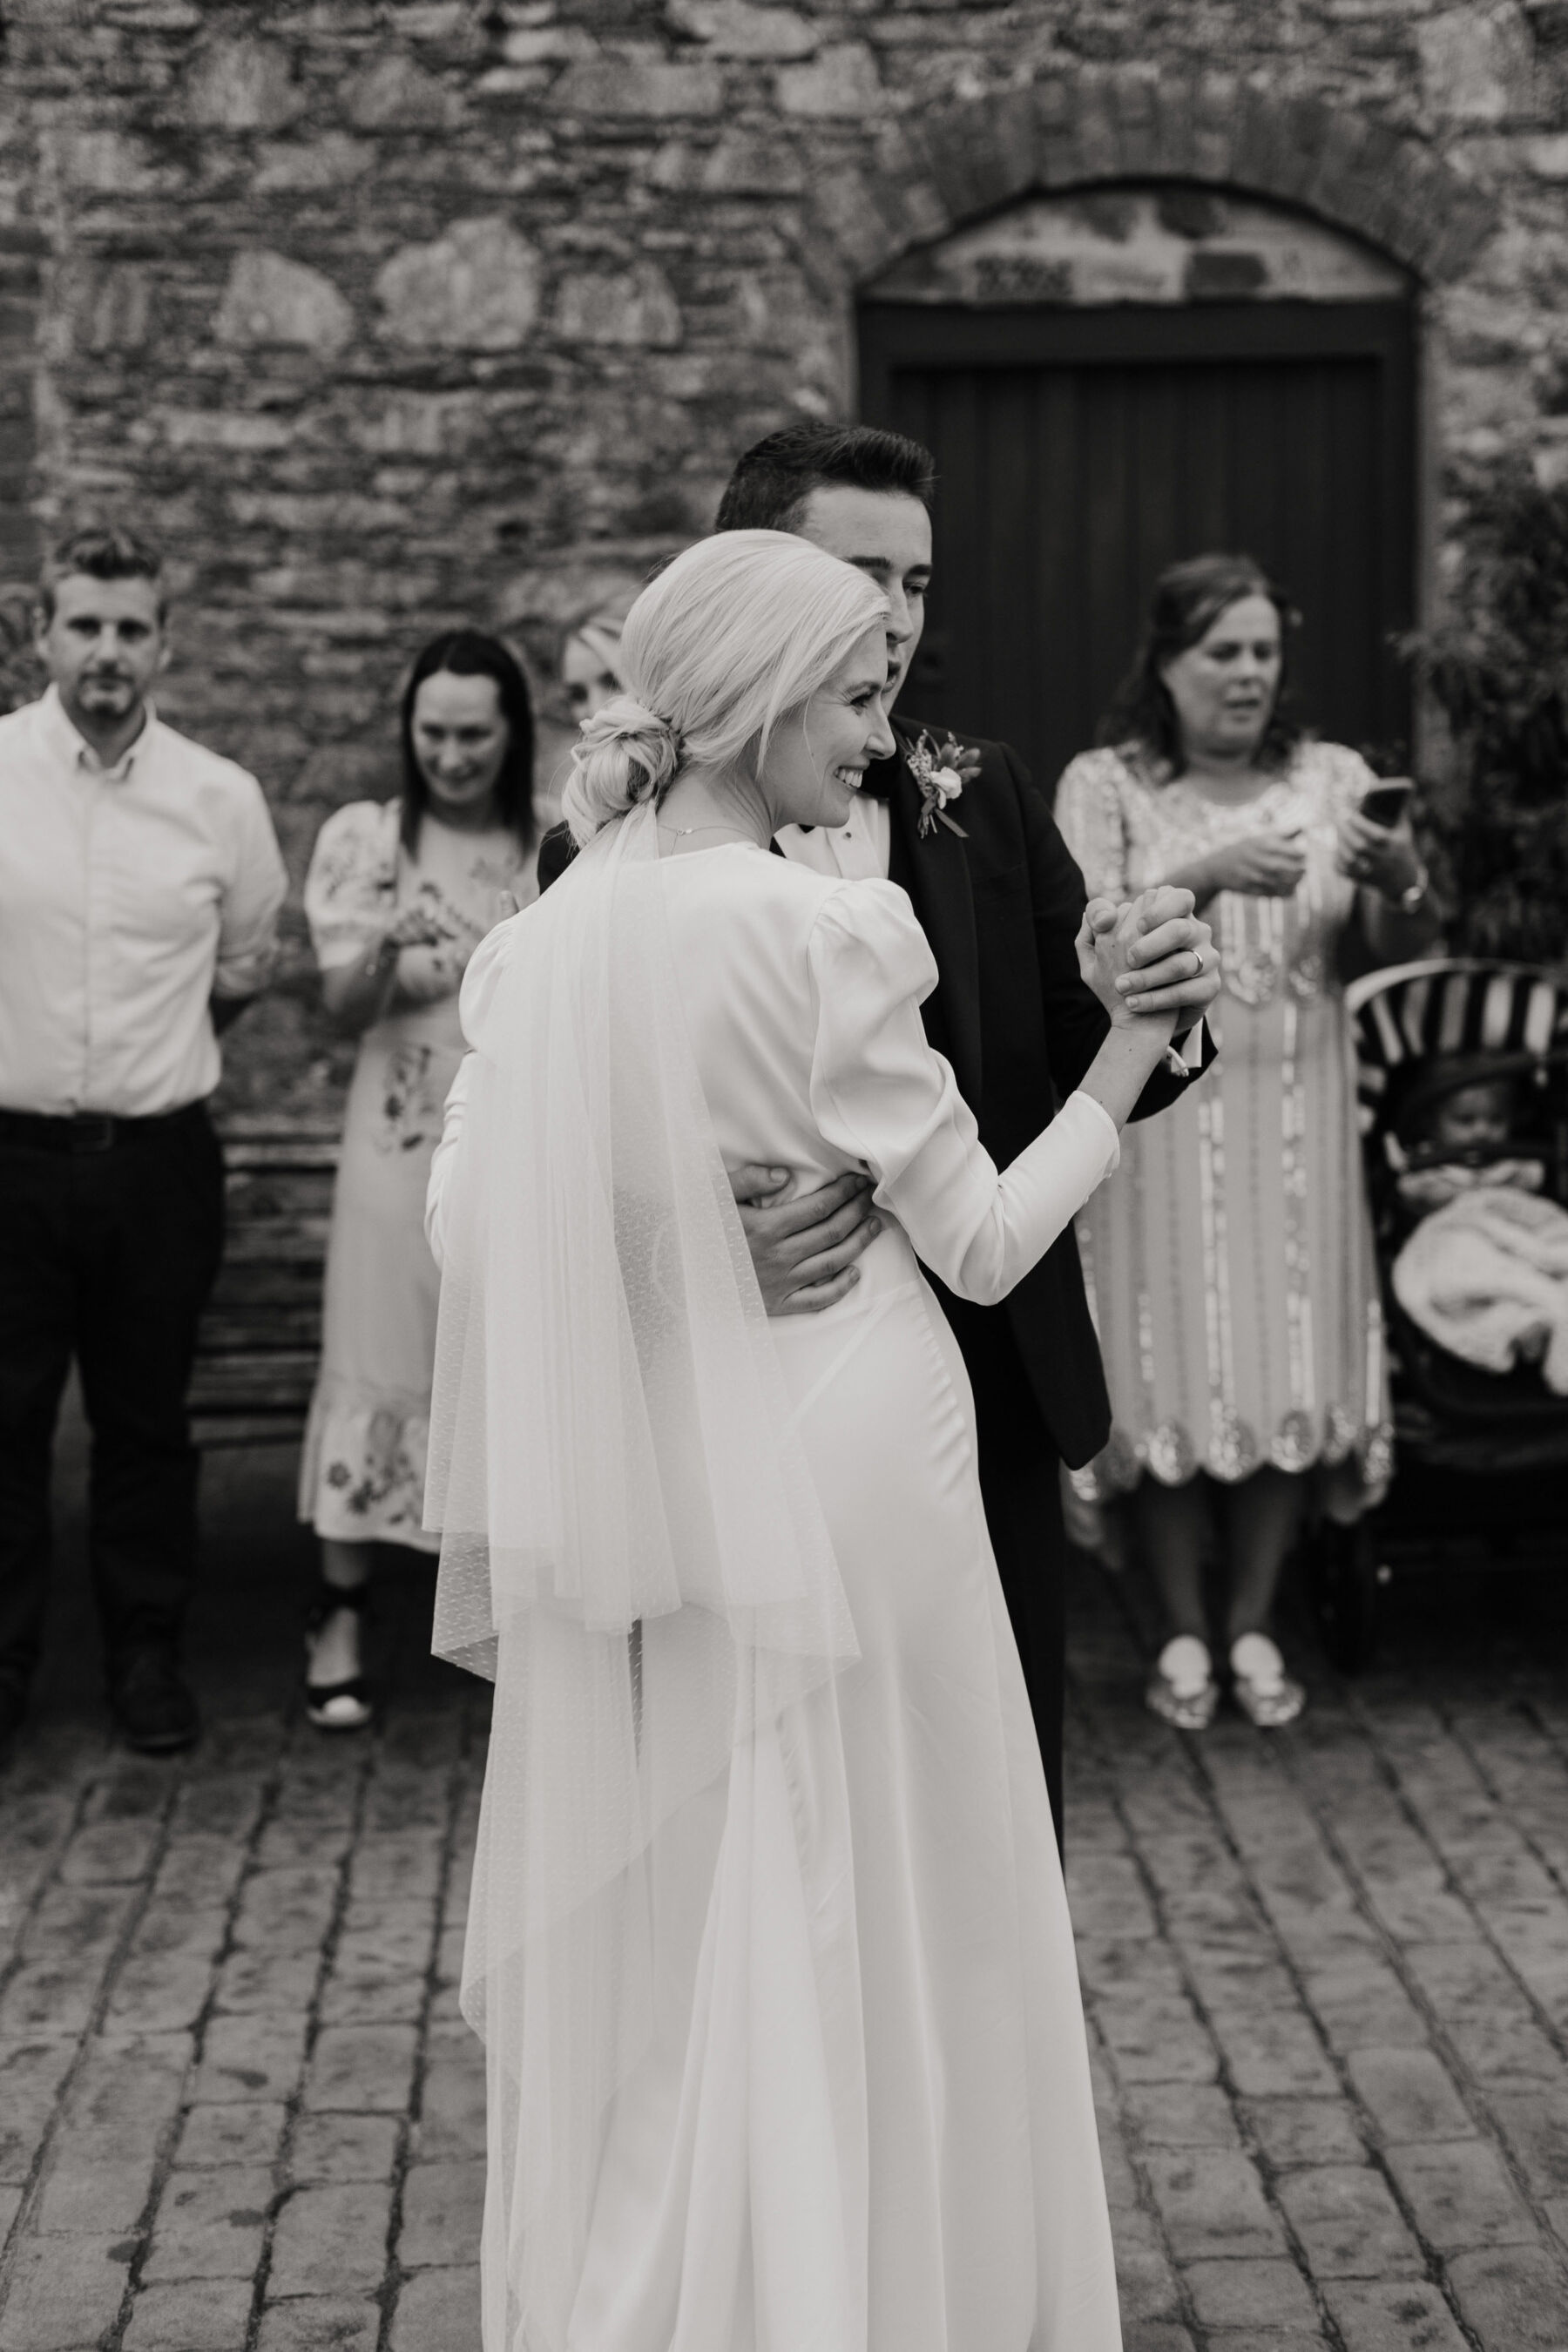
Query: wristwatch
<point x="1412" y="900"/>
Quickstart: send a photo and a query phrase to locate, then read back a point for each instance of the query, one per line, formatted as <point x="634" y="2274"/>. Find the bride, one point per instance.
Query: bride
<point x="767" y="1941"/>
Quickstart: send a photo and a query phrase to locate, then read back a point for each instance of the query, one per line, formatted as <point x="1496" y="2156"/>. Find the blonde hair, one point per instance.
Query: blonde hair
<point x="735" y="634"/>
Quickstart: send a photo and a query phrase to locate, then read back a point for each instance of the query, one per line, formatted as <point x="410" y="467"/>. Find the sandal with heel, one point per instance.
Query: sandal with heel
<point x="342" y="1705"/>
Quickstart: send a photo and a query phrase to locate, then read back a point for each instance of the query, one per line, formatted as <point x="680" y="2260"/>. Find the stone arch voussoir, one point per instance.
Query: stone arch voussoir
<point x="954" y="165"/>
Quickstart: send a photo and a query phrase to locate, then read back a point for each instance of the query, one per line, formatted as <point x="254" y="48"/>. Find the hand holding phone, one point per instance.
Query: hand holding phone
<point x="1385" y="803"/>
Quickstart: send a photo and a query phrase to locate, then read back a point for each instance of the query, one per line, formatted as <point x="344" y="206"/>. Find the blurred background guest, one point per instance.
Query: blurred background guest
<point x="1229" y="1259"/>
<point x="140" y="885"/>
<point x="590" y="664"/>
<point x="398" y="896"/>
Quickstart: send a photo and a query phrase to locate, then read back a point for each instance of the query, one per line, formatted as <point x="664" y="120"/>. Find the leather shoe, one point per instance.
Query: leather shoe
<point x="12" y="1707"/>
<point x="153" y="1709"/>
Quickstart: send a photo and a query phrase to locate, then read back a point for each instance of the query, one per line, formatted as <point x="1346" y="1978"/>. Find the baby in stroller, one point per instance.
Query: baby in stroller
<point x="1485" y="1271"/>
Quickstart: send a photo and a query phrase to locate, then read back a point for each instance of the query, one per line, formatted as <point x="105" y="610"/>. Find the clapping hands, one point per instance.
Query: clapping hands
<point x="1152" y="958"/>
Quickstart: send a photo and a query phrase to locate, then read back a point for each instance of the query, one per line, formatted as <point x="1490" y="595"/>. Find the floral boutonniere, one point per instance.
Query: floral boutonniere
<point x="941" y="770"/>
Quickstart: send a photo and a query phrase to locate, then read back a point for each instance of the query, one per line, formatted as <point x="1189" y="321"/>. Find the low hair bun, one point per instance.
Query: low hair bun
<point x="627" y="754"/>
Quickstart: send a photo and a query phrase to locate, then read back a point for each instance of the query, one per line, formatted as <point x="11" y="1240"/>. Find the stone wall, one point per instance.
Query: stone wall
<point x="384" y="313"/>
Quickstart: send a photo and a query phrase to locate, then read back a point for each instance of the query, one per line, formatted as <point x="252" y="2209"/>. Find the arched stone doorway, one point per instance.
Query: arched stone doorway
<point x="1115" y="376"/>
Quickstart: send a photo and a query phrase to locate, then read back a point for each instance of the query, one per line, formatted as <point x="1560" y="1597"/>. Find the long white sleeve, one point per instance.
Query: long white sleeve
<point x="882" y="1096"/>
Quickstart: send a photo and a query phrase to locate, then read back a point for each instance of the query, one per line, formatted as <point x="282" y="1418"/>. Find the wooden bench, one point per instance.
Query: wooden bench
<point x="261" y="1335"/>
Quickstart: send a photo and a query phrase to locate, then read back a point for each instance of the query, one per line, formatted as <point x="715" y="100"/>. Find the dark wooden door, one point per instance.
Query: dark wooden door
<point x="1081" y="451"/>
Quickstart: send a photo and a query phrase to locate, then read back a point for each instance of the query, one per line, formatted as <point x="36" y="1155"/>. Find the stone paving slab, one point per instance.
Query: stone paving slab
<point x="1326" y="1980"/>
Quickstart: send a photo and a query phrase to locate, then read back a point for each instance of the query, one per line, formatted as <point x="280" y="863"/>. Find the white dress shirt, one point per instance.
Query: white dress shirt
<point x="129" y="897"/>
<point x="860" y="851"/>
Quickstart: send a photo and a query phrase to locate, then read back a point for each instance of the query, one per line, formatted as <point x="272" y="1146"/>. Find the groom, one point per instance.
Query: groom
<point x="1000" y="903"/>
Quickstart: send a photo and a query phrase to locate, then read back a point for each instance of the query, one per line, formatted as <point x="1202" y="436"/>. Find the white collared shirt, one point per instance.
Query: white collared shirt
<point x="859" y="851"/>
<point x="129" y="897"/>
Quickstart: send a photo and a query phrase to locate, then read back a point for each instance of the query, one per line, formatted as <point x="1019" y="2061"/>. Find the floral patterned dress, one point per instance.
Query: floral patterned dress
<point x="362" y="1475"/>
<point x="1229" y="1259"/>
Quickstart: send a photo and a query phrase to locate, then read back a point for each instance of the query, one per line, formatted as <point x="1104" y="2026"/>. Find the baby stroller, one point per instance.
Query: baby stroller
<point x="1481" y="1457"/>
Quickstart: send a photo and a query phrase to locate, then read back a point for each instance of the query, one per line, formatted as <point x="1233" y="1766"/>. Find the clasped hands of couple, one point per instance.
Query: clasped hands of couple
<point x="1152" y="964"/>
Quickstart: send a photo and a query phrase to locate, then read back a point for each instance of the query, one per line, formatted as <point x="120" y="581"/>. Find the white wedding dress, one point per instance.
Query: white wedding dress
<point x="859" y="2119"/>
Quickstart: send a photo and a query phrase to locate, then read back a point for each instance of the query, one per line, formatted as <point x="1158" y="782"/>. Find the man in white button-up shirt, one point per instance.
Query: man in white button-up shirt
<point x="139" y="889"/>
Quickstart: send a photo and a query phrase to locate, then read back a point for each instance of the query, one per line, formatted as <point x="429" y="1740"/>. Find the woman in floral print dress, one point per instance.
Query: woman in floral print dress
<point x="1229" y="1259"/>
<point x="399" y="895"/>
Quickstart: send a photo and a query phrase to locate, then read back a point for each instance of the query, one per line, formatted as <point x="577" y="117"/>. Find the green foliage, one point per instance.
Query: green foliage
<point x="1499" y="669"/>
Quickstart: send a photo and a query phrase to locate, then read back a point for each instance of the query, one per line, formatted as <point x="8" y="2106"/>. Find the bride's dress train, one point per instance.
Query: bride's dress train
<point x="859" y="2114"/>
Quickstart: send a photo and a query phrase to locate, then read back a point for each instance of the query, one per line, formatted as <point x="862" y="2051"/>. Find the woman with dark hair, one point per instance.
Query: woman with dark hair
<point x="1230" y="1261"/>
<point x="398" y="896"/>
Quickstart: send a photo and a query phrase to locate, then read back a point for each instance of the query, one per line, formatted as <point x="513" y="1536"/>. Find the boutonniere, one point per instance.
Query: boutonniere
<point x="941" y="770"/>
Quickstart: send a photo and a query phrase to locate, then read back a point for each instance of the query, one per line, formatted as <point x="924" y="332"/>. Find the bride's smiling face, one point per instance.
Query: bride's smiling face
<point x="819" y="753"/>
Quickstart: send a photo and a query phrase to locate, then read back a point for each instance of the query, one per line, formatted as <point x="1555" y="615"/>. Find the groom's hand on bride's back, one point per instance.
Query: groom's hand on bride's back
<point x="803" y="1248"/>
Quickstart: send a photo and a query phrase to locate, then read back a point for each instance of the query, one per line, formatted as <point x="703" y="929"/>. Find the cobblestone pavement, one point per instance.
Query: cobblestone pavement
<point x="1327" y="1977"/>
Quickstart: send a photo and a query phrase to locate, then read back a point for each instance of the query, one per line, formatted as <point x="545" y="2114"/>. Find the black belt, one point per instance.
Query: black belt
<point x="91" y="1130"/>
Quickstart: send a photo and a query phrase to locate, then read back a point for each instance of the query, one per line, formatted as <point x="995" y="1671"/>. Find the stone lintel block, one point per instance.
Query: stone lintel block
<point x="1460" y="2195"/>
<point x="1513" y="2295"/>
<point x="1099" y="130"/>
<point x="332" y="2240"/>
<point x="639" y="84"/>
<point x="195" y="2316"/>
<point x="1348" y="2223"/>
<point x="1216" y="107"/>
<point x="1409" y="2096"/>
<point x="1174" y="102"/>
<point x="1133" y="99"/>
<point x="1391" y="2315"/>
<point x="915" y="210"/>
<point x="1212" y="2203"/>
<point x="955" y="163"/>
<point x="845" y="204"/>
<point x="1010" y="129"/>
<point x="54" y="2305"/>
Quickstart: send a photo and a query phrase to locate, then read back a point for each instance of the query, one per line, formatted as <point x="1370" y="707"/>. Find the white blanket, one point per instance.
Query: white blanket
<point x="1487" y="1277"/>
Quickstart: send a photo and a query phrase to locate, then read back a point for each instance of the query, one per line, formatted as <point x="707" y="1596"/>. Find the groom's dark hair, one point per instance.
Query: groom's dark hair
<point x="770" y="484"/>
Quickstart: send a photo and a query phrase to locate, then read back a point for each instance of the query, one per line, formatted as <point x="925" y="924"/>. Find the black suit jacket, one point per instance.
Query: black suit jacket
<point x="1001" y="908"/>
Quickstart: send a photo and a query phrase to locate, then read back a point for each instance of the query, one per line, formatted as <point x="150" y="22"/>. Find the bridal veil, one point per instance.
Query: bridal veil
<point x="631" y="1542"/>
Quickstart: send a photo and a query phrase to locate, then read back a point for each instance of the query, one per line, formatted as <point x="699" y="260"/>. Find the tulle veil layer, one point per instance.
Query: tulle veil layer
<point x="631" y="1543"/>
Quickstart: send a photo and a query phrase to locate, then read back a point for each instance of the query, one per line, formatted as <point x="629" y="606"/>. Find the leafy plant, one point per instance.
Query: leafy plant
<point x="1497" y="822"/>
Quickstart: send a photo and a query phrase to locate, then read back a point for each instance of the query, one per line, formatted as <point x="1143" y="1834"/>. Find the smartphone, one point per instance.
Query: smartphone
<point x="1384" y="804"/>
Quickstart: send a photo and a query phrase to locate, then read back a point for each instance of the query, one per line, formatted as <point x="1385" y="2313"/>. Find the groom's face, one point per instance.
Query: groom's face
<point x="886" y="534"/>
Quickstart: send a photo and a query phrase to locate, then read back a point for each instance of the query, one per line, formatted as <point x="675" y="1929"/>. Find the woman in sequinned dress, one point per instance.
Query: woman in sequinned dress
<point x="1230" y="1261"/>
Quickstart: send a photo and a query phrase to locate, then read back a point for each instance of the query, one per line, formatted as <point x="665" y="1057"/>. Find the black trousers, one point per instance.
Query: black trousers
<point x="107" y="1255"/>
<point x="1020" y="1484"/>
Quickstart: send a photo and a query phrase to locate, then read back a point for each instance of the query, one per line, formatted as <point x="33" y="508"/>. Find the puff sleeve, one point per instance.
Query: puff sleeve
<point x="351" y="887"/>
<point x="881" y="1095"/>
